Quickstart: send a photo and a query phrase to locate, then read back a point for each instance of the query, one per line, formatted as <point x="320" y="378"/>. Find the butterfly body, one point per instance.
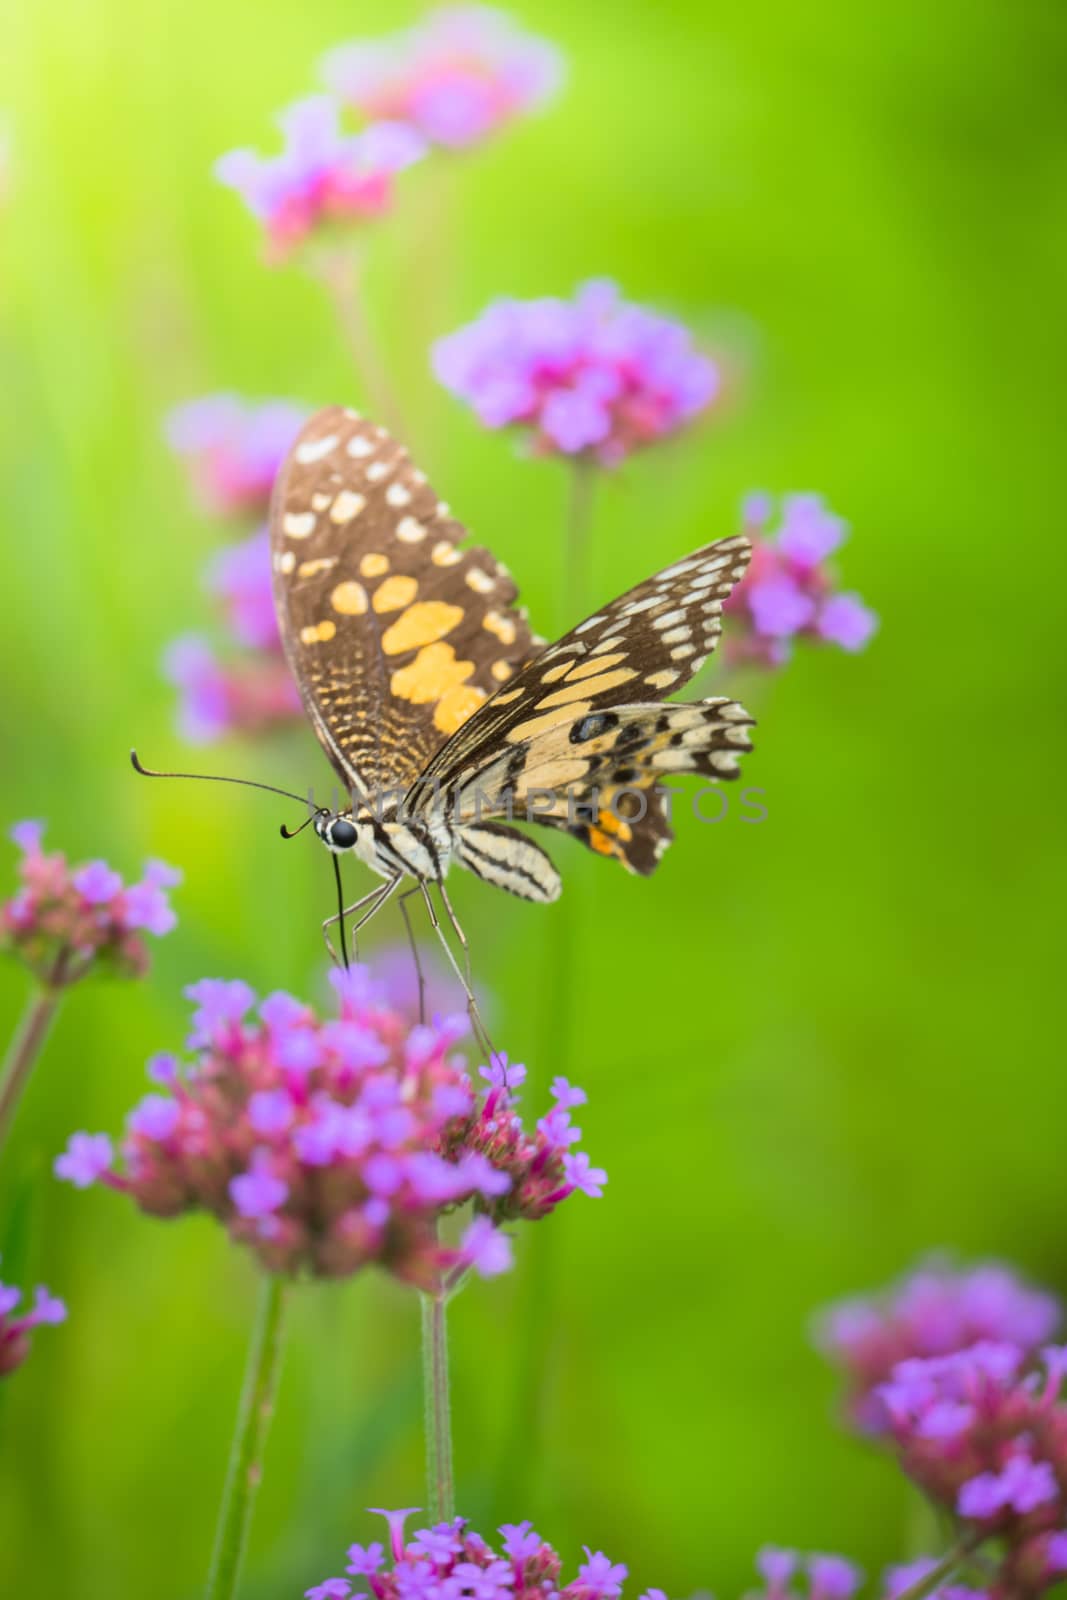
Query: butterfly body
<point x="444" y="717"/>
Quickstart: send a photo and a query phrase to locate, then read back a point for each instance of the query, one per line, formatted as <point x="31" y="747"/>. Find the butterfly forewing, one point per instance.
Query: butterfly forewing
<point x="395" y="636"/>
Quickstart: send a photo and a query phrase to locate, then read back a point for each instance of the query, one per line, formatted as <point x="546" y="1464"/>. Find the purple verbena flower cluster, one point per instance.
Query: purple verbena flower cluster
<point x="325" y="1146"/>
<point x="324" y="179"/>
<point x="825" y="1577"/>
<point x="452" y="1562"/>
<point x="984" y="1434"/>
<point x="219" y="696"/>
<point x="788" y="1575"/>
<point x="233" y="449"/>
<point x="788" y="591"/>
<point x="898" y="1580"/>
<point x="592" y="377"/>
<point x="933" y="1311"/>
<point x="458" y="76"/>
<point x="16" y="1327"/>
<point x="64" y="920"/>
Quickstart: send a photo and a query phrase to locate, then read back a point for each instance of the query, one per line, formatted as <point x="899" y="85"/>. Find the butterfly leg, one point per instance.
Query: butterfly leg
<point x="420" y="975"/>
<point x="477" y="1025"/>
<point x="374" y="900"/>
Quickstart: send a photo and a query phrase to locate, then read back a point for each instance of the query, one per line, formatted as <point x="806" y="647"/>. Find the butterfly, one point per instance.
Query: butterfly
<point x="444" y="717"/>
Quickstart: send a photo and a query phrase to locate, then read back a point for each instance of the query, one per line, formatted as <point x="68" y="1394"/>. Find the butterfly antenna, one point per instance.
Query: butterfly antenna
<point x="291" y="833"/>
<point x="213" y="777"/>
<point x="340" y="908"/>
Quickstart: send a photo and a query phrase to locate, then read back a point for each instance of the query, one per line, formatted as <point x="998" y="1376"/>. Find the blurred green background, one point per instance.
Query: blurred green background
<point x="814" y="1049"/>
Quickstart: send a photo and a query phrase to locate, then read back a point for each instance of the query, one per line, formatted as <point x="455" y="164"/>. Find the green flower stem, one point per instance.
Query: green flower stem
<point x="342" y="274"/>
<point x="946" y="1568"/>
<point x="440" y="1485"/>
<point x="22" y="1052"/>
<point x="246" y="1453"/>
<point x="555" y="1046"/>
<point x="578" y="542"/>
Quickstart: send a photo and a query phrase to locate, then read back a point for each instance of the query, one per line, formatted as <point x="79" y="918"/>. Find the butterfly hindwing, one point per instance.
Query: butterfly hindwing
<point x="394" y="634"/>
<point x="599" y="777"/>
<point x="646" y="644"/>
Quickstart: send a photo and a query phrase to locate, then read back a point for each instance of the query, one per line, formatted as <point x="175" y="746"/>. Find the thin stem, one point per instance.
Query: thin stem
<point x="246" y="1453"/>
<point x="22" y="1052"/>
<point x="342" y="276"/>
<point x="534" y="1316"/>
<point x="945" y="1568"/>
<point x="440" y="1487"/>
<point x="577" y="541"/>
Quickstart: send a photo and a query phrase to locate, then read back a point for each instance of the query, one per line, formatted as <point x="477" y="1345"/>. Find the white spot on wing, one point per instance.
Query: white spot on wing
<point x="315" y="449"/>
<point x="299" y="524"/>
<point x="347" y="505"/>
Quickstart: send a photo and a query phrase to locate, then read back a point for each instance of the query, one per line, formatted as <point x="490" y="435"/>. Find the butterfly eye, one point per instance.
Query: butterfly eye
<point x="341" y="834"/>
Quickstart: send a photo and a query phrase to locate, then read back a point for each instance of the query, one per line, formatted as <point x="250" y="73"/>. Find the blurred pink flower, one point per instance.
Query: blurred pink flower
<point x="591" y="377"/>
<point x="218" y="698"/>
<point x="935" y="1310"/>
<point x="233" y="449"/>
<point x="64" y="922"/>
<point x="986" y="1438"/>
<point x="323" y="178"/>
<point x="788" y="590"/>
<point x="17" y="1327"/>
<point x="459" y="75"/>
<point x="240" y="577"/>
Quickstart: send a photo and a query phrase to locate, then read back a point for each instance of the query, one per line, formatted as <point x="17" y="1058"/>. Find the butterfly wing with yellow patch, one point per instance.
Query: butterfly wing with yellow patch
<point x="394" y="634"/>
<point x="599" y="777"/>
<point x="646" y="644"/>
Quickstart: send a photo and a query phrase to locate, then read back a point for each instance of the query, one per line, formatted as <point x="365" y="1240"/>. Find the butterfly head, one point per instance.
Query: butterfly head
<point x="338" y="833"/>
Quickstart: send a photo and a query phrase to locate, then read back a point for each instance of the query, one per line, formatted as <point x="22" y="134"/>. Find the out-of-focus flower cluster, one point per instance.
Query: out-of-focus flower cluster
<point x="16" y="1327"/>
<point x="459" y="75"/>
<point x="233" y="450"/>
<point x="452" y="1562"/>
<point x="935" y="1310"/>
<point x="325" y="180"/>
<point x="63" y="920"/>
<point x="788" y="1575"/>
<point x="325" y="1146"/>
<point x="788" y="592"/>
<point x="592" y="377"/>
<point x="984" y="1434"/>
<point x="253" y="695"/>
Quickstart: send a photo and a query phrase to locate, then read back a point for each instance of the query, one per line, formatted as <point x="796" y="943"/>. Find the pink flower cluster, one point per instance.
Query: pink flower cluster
<point x="933" y="1311"/>
<point x="65" y="920"/>
<point x="826" y="1577"/>
<point x="324" y="179"/>
<point x="452" y="1562"/>
<point x="233" y="449"/>
<point x="325" y="1146"/>
<point x="788" y="591"/>
<point x="253" y="695"/>
<point x="984" y="1434"/>
<point x="458" y="76"/>
<point x="16" y="1327"/>
<point x="592" y="377"/>
<point x="787" y="1575"/>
